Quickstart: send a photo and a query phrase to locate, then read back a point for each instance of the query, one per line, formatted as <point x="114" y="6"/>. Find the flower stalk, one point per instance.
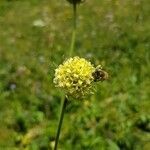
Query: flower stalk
<point x="64" y="104"/>
<point x="74" y="29"/>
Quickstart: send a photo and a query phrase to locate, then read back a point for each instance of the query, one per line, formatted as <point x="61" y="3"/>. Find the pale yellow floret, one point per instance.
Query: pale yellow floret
<point x="75" y="77"/>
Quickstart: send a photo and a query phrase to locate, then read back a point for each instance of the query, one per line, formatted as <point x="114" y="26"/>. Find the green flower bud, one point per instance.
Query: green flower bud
<point x="75" y="1"/>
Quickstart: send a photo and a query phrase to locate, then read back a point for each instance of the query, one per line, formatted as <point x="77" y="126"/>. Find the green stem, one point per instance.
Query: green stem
<point x="74" y="15"/>
<point x="74" y="29"/>
<point x="64" y="103"/>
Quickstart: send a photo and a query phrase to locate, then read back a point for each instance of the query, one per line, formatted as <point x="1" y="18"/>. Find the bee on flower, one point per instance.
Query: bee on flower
<point x="75" y="76"/>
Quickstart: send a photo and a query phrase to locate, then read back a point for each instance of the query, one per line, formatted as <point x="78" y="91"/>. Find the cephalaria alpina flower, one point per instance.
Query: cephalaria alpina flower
<point x="75" y="77"/>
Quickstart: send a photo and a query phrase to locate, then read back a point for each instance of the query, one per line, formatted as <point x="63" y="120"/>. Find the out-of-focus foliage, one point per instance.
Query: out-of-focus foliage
<point x="34" y="37"/>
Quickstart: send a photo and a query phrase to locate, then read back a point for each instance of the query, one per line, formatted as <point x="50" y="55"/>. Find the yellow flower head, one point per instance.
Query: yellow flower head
<point x="75" y="77"/>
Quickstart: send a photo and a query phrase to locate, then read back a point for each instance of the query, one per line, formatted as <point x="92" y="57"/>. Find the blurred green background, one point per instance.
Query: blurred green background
<point x="35" y="37"/>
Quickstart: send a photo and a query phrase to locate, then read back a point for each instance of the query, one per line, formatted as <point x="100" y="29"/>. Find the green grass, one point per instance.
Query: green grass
<point x="34" y="39"/>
